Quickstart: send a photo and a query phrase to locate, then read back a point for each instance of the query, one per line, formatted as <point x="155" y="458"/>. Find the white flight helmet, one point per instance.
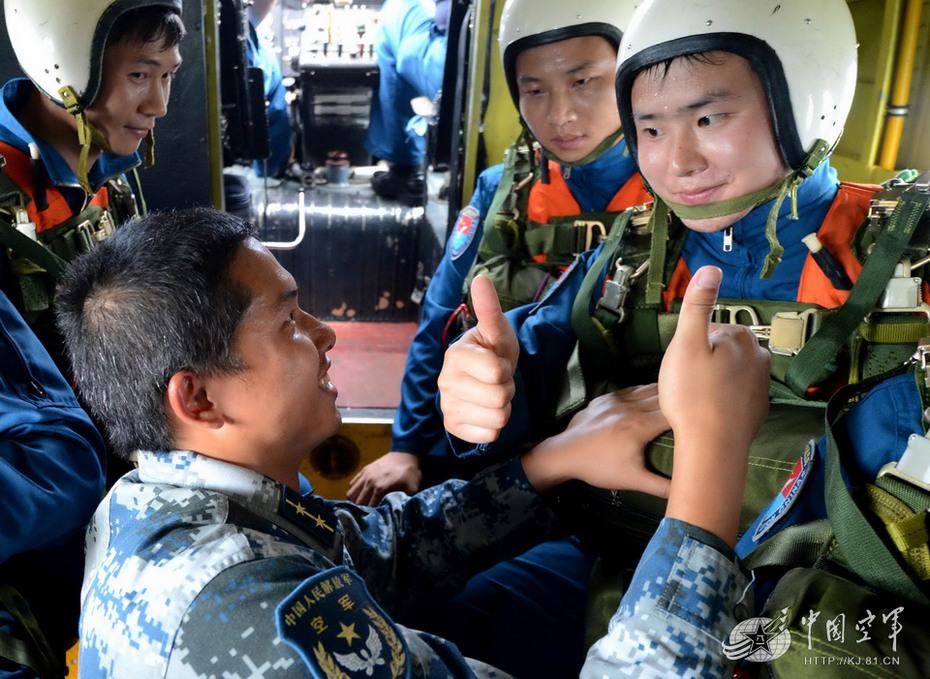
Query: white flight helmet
<point x="530" y="23"/>
<point x="803" y="52"/>
<point x="59" y="43"/>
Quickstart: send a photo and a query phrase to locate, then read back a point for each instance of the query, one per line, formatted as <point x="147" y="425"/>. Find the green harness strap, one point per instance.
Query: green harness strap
<point x="565" y="237"/>
<point x="859" y="545"/>
<point x="493" y="246"/>
<point x="592" y="335"/>
<point x="813" y="364"/>
<point x="36" y="653"/>
<point x="27" y="248"/>
<point x="800" y="545"/>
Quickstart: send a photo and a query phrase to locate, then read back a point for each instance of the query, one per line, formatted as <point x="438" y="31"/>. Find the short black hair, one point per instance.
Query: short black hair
<point x="153" y="299"/>
<point x="148" y="24"/>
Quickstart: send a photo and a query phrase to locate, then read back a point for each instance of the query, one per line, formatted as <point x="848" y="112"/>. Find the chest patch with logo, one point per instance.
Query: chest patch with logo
<point x="338" y="629"/>
<point x="789" y="493"/>
<point x="463" y="233"/>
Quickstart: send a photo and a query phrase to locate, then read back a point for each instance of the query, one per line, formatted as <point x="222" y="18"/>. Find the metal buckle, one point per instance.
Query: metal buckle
<point x="789" y="331"/>
<point x="732" y="312"/>
<point x="589" y="227"/>
<point x="616" y="290"/>
<point x="786" y="335"/>
<point x="85" y="232"/>
<point x="104" y="227"/>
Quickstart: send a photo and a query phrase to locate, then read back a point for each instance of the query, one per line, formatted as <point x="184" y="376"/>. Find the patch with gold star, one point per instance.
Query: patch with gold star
<point x="310" y="513"/>
<point x="338" y="629"/>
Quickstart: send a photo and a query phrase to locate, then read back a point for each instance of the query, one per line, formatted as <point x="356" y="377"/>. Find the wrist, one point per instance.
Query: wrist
<point x="708" y="480"/>
<point x="544" y="465"/>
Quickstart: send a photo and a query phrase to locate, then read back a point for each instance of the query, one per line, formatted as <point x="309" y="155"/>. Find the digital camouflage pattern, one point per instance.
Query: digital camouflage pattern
<point x="681" y="604"/>
<point x="190" y="574"/>
<point x="181" y="582"/>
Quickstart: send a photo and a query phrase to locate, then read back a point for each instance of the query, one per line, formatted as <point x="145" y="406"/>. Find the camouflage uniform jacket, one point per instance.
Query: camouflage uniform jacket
<point x="189" y="572"/>
<point x="681" y="604"/>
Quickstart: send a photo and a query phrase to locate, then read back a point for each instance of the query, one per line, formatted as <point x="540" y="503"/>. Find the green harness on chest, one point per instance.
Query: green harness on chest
<point x="524" y="258"/>
<point x="37" y="261"/>
<point x="623" y="333"/>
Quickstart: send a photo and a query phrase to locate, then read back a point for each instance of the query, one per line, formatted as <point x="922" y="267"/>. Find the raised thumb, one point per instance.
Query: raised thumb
<point x="698" y="304"/>
<point x="493" y="327"/>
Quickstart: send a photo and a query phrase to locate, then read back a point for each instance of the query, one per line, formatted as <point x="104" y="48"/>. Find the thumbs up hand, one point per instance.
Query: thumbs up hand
<point x="713" y="390"/>
<point x="476" y="382"/>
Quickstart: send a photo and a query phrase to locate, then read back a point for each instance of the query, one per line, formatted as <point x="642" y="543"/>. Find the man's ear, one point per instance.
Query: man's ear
<point x="189" y="402"/>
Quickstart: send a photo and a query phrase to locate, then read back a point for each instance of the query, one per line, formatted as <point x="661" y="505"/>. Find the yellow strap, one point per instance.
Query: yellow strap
<point x="894" y="333"/>
<point x="907" y="529"/>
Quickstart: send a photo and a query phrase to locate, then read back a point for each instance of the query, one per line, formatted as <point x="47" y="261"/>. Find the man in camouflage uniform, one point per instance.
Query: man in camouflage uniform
<point x="221" y="561"/>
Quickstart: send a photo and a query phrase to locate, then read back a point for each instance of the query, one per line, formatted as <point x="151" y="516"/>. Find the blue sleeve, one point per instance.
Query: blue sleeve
<point x="417" y="421"/>
<point x="443" y="535"/>
<point x="279" y="127"/>
<point x="51" y="456"/>
<point x="678" y="610"/>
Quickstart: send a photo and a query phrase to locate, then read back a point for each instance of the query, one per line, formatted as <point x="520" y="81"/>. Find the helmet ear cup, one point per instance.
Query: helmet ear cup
<point x="60" y="44"/>
<point x="530" y="23"/>
<point x="804" y="53"/>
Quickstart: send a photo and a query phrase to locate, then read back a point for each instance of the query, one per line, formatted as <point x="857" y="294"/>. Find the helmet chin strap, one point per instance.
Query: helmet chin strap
<point x="150" y="148"/>
<point x="780" y="190"/>
<point x="87" y="135"/>
<point x="601" y="148"/>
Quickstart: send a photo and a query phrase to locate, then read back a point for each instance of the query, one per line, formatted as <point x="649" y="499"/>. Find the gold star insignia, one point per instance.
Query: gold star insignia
<point x="321" y="522"/>
<point x="348" y="633"/>
<point x="299" y="508"/>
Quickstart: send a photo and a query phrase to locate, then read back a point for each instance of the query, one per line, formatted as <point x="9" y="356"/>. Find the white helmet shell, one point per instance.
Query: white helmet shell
<point x="61" y="44"/>
<point x="803" y="52"/>
<point x="530" y="23"/>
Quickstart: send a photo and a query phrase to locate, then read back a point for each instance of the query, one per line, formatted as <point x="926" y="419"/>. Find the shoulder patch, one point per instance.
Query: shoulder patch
<point x="463" y="233"/>
<point x="309" y="513"/>
<point x="789" y="493"/>
<point x="339" y="631"/>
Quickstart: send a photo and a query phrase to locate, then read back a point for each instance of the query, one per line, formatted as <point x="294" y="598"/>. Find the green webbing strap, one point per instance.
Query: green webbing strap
<point x="812" y="364"/>
<point x="608" y="143"/>
<point x="143" y="206"/>
<point x="916" y="499"/>
<point x="863" y="551"/>
<point x="655" y="277"/>
<point x="35" y="653"/>
<point x="29" y="249"/>
<point x="492" y="243"/>
<point x="564" y="237"/>
<point x="591" y="335"/>
<point x="794" y="546"/>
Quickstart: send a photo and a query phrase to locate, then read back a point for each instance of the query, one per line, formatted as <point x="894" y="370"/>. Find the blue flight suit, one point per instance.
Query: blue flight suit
<point x="874" y="433"/>
<point x="279" y="126"/>
<point x="541" y="594"/>
<point x="545" y="332"/>
<point x="51" y="478"/>
<point x="411" y="52"/>
<point x="191" y="572"/>
<point x="418" y="422"/>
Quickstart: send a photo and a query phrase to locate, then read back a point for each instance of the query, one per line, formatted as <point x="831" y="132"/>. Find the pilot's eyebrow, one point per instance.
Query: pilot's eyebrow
<point x="706" y="99"/>
<point x="571" y="71"/>
<point x="710" y="97"/>
<point x="148" y="61"/>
